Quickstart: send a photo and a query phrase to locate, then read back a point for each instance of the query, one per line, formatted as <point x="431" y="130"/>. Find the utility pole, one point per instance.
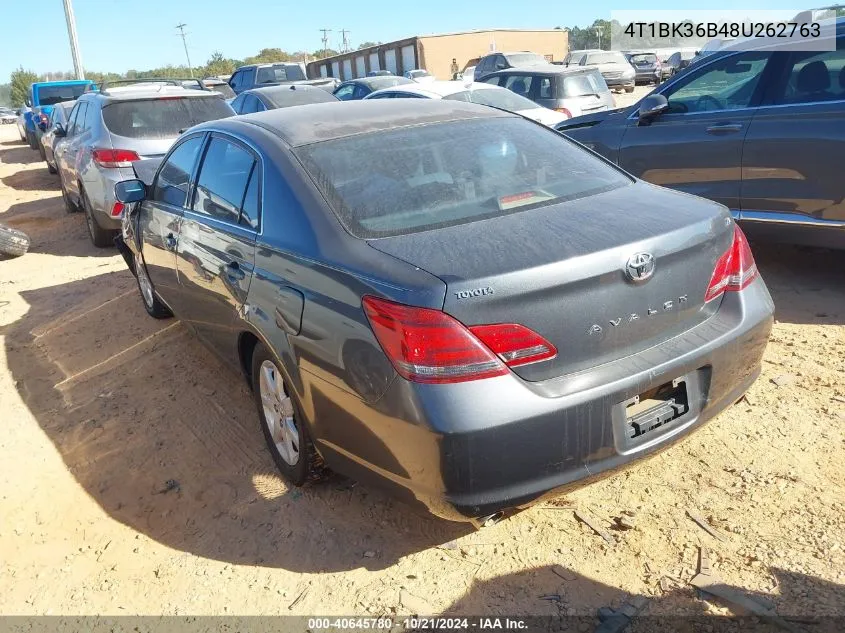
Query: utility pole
<point x="74" y="44"/>
<point x="181" y="28"/>
<point x="598" y="34"/>
<point x="325" y="39"/>
<point x="345" y="45"/>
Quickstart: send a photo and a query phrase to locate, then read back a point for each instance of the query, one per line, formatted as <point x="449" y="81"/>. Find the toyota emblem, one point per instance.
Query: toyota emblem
<point x="640" y="267"/>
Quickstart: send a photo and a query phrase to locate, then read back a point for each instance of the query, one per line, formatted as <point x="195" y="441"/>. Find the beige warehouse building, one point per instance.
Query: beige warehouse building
<point x="436" y="52"/>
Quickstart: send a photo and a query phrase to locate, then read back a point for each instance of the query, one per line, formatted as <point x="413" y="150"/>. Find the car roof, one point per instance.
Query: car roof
<point x="380" y="81"/>
<point x="319" y="122"/>
<point x="588" y="50"/>
<point x="284" y="89"/>
<point x="137" y="92"/>
<point x="552" y="69"/>
<point x="439" y="89"/>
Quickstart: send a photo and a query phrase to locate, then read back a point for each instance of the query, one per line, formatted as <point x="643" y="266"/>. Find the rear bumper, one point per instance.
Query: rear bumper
<point x="99" y="186"/>
<point x="620" y="82"/>
<point x="473" y="449"/>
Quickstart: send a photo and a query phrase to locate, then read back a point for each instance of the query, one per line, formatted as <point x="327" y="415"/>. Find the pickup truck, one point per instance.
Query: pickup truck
<point x="261" y="75"/>
<point x="42" y="96"/>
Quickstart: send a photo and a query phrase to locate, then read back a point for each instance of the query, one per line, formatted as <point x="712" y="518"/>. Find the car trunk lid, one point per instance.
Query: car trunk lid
<point x="561" y="270"/>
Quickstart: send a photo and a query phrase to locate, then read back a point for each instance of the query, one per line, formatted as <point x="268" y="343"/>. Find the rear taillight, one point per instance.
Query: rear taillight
<point x="515" y="344"/>
<point x="117" y="209"/>
<point x="564" y="111"/>
<point x="735" y="269"/>
<point x="430" y="346"/>
<point x="111" y="158"/>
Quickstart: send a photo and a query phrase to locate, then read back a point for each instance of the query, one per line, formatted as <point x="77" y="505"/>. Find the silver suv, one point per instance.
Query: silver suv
<point x="110" y="129"/>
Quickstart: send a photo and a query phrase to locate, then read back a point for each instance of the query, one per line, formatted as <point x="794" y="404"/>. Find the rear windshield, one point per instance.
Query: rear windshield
<point x="496" y="97"/>
<point x="522" y="59"/>
<point x="586" y="84"/>
<point x="639" y="58"/>
<point x="51" y="95"/>
<point x="279" y="72"/>
<point x="162" y="118"/>
<point x="285" y="98"/>
<point x="606" y="58"/>
<point x="431" y="176"/>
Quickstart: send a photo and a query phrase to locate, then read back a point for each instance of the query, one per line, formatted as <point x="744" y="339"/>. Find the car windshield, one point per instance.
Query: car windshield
<point x="495" y="97"/>
<point x="51" y="95"/>
<point x="606" y="58"/>
<point x="431" y="176"/>
<point x="524" y="59"/>
<point x="279" y="72"/>
<point x="587" y="84"/>
<point x="162" y="118"/>
<point x="287" y="97"/>
<point x="643" y="58"/>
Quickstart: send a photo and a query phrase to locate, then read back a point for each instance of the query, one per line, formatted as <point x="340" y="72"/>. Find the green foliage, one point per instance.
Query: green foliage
<point x="218" y="65"/>
<point x="268" y="55"/>
<point x="368" y="45"/>
<point x="5" y="95"/>
<point x="329" y="52"/>
<point x="20" y="81"/>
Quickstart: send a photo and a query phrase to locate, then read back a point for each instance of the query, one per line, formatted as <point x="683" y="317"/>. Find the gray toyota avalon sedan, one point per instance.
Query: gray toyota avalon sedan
<point x="447" y="299"/>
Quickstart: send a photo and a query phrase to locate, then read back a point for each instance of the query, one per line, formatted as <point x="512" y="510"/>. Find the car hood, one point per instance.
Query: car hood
<point x="543" y="115"/>
<point x="593" y="118"/>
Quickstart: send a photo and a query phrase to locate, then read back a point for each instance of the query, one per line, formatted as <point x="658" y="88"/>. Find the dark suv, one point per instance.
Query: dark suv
<point x="260" y="75"/>
<point x="500" y="61"/>
<point x="760" y="131"/>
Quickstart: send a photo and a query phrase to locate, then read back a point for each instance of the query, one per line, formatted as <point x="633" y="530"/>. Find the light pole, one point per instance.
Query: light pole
<point x="181" y="28"/>
<point x="74" y="45"/>
<point x="598" y="34"/>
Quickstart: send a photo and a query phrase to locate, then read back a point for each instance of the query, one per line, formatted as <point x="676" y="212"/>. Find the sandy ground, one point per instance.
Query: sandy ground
<point x="100" y="406"/>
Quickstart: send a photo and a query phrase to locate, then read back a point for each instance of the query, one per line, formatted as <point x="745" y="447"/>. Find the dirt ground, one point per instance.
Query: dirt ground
<point x="101" y="406"/>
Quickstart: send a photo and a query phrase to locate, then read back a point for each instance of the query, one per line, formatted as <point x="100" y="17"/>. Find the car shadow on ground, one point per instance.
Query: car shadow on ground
<point x="52" y="230"/>
<point x="15" y="153"/>
<point x="132" y="403"/>
<point x="807" y="284"/>
<point x="561" y="599"/>
<point x="31" y="179"/>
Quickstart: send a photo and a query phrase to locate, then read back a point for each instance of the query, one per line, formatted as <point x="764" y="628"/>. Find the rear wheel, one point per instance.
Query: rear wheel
<point x="282" y="421"/>
<point x="100" y="237"/>
<point x="50" y="168"/>
<point x="30" y="139"/>
<point x="629" y="89"/>
<point x="152" y="304"/>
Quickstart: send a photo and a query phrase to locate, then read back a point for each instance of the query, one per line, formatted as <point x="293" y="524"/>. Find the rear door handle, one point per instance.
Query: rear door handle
<point x="724" y="128"/>
<point x="170" y="242"/>
<point x="234" y="272"/>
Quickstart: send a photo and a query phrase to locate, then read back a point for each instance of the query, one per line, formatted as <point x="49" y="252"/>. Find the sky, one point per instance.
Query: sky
<point x="118" y="35"/>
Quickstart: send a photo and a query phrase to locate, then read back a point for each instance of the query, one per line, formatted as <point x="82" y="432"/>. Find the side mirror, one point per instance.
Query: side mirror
<point x="651" y="107"/>
<point x="27" y="102"/>
<point x="129" y="191"/>
<point x="59" y="131"/>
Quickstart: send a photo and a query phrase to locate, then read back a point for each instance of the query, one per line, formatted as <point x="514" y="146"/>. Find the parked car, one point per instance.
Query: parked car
<point x="58" y="120"/>
<point x="7" y="116"/>
<point x="570" y="91"/>
<point x="758" y="131"/>
<point x="647" y="67"/>
<point x="379" y="73"/>
<point x="481" y="93"/>
<point x="261" y="75"/>
<point x="218" y="85"/>
<point x="272" y="97"/>
<point x="420" y="76"/>
<point x="43" y="95"/>
<point x="678" y="61"/>
<point x="612" y="65"/>
<point x="500" y="61"/>
<point x="468" y="74"/>
<point x="109" y="130"/>
<point x="311" y="259"/>
<point x="355" y="89"/>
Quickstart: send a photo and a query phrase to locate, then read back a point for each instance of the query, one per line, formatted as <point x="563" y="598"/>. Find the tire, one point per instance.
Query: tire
<point x="13" y="242"/>
<point x="41" y="151"/>
<point x="70" y="207"/>
<point x="30" y="139"/>
<point x="23" y="136"/>
<point x="152" y="304"/>
<point x="294" y="453"/>
<point x="51" y="169"/>
<point x="100" y="237"/>
<point x="629" y="89"/>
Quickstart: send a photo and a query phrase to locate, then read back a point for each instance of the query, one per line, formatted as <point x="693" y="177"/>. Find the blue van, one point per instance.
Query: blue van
<point x="42" y="96"/>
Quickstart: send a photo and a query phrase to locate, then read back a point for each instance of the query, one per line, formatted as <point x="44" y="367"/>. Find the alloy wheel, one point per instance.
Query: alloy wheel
<point x="278" y="413"/>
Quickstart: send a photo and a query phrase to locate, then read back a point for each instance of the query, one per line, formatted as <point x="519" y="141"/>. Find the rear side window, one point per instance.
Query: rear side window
<point x="345" y="93"/>
<point x="431" y="176"/>
<point x="520" y="84"/>
<point x="162" y="118"/>
<point x="814" y="77"/>
<point x="171" y="185"/>
<point x="78" y="120"/>
<point x="223" y="179"/>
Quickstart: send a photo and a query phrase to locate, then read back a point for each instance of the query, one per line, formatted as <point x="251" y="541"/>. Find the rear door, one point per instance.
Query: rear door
<point x="792" y="161"/>
<point x="216" y="253"/>
<point x="696" y="146"/>
<point x="161" y="215"/>
<point x="71" y="150"/>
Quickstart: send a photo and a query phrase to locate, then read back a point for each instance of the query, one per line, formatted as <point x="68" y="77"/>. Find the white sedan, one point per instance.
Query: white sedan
<point x="474" y="92"/>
